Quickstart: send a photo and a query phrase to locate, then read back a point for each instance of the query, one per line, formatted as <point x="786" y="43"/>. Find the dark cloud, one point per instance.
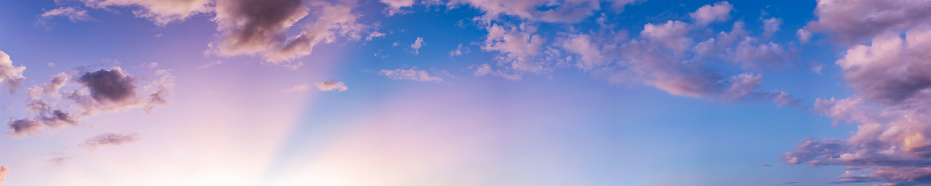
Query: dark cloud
<point x="100" y="91"/>
<point x="109" y="86"/>
<point x="23" y="127"/>
<point x="109" y="139"/>
<point x="250" y="27"/>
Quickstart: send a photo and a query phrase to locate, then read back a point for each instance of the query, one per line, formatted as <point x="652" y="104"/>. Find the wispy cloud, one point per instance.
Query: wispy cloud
<point x="410" y="74"/>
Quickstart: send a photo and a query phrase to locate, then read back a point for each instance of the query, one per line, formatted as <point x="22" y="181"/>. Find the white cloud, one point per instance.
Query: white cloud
<point x="417" y="44"/>
<point x="718" y="12"/>
<point x="71" y="13"/>
<point x="803" y="35"/>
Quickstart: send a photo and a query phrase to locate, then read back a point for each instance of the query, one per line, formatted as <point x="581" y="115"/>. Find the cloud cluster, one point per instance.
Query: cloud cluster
<point x="95" y="92"/>
<point x="109" y="139"/>
<point x="11" y="76"/>
<point x="519" y="47"/>
<point x="892" y="104"/>
<point x="161" y="12"/>
<point x="670" y="57"/>
<point x="250" y="27"/>
<point x="410" y="74"/>
<point x="853" y="21"/>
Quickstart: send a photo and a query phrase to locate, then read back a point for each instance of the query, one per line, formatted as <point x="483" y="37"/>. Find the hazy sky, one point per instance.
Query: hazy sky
<point x="465" y="92"/>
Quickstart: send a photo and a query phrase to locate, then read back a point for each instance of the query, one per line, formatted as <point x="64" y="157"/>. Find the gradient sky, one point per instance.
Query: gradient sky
<point x="465" y="92"/>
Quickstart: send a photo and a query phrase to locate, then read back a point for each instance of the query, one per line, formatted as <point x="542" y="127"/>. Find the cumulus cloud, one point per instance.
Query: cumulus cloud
<point x="109" y="86"/>
<point x="109" y="139"/>
<point x="803" y="35"/>
<point x="589" y="52"/>
<point x="161" y="12"/>
<point x="891" y="104"/>
<point x="410" y="74"/>
<point x="717" y="12"/>
<point x="417" y="44"/>
<point x="891" y="69"/>
<point x="11" y="76"/>
<point x="518" y="47"/>
<point x="771" y="26"/>
<point x="73" y="14"/>
<point x="671" y="34"/>
<point x="250" y="27"/>
<point x="853" y="21"/>
<point x="332" y="85"/>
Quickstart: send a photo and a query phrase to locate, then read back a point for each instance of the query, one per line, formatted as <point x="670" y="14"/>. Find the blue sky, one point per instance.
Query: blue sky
<point x="464" y="92"/>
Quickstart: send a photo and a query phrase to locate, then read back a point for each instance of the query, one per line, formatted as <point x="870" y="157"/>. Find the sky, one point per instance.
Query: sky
<point x="465" y="92"/>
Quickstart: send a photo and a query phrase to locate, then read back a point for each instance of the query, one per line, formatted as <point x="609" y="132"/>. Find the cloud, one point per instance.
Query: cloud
<point x="771" y="26"/>
<point x="459" y="50"/>
<point x="417" y="44"/>
<point x="671" y="35"/>
<point x="803" y="35"/>
<point x="161" y="12"/>
<point x="297" y="88"/>
<point x="109" y="86"/>
<point x="590" y="53"/>
<point x="891" y="104"/>
<point x="332" y="85"/>
<point x="208" y="65"/>
<point x="394" y="6"/>
<point x="73" y="14"/>
<point x="11" y="76"/>
<point x="49" y="88"/>
<point x="852" y="22"/>
<point x="249" y="27"/>
<point x="518" y="47"/>
<point x="98" y="91"/>
<point x="109" y="139"/>
<point x="891" y="69"/>
<point x="410" y="74"/>
<point x="24" y="127"/>
<point x="665" y="55"/>
<point x="719" y="12"/>
<point x="373" y="35"/>
<point x="540" y="10"/>
<point x="4" y="171"/>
